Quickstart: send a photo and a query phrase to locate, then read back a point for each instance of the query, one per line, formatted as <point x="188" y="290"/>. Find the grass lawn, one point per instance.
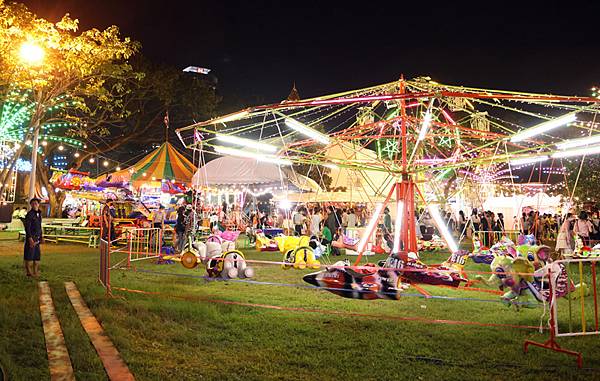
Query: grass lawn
<point x="183" y="334"/>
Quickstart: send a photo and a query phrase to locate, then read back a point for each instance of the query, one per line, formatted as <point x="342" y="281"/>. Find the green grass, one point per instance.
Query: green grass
<point x="164" y="338"/>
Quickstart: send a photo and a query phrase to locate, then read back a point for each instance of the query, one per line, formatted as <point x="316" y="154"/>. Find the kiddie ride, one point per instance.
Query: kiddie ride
<point x="521" y="270"/>
<point x="583" y="251"/>
<point x="434" y="244"/>
<point x="297" y="252"/>
<point x="262" y="241"/>
<point x="389" y="278"/>
<point x="219" y="256"/>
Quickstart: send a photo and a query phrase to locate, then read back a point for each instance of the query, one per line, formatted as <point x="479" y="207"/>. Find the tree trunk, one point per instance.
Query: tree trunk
<point x="55" y="198"/>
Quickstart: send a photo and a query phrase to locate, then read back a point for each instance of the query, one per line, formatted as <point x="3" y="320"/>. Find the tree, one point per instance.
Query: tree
<point x="186" y="97"/>
<point x="78" y="78"/>
<point x="583" y="186"/>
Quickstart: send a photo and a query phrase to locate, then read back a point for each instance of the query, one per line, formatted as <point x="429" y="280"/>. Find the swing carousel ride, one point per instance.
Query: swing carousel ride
<point x="432" y="142"/>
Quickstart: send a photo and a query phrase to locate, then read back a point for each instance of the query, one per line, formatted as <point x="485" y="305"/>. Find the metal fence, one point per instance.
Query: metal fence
<point x="574" y="311"/>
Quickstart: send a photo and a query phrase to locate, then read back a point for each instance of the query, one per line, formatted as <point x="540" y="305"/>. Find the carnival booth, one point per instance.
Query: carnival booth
<point x="158" y="176"/>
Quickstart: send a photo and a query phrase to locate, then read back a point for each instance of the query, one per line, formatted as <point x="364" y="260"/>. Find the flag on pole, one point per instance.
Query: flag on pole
<point x="196" y="69"/>
<point x="166" y="119"/>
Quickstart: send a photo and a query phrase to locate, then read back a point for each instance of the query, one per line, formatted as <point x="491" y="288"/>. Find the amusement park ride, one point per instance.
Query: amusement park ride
<point x="433" y="133"/>
<point x="432" y="141"/>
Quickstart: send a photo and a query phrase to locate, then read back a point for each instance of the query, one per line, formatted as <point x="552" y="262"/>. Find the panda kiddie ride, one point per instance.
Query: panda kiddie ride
<point x="219" y="256"/>
<point x="231" y="264"/>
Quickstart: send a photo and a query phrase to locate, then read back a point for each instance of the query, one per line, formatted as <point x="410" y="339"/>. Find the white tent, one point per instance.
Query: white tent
<point x="355" y="197"/>
<point x="232" y="171"/>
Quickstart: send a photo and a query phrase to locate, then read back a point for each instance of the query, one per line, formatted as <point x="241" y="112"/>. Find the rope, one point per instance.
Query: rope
<point x="330" y="312"/>
<point x="256" y="282"/>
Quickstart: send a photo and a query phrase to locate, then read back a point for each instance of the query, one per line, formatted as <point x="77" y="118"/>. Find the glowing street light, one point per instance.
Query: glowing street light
<point x="31" y="53"/>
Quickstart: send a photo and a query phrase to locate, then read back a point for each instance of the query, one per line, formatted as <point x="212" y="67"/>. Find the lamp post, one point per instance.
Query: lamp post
<point x="32" y="55"/>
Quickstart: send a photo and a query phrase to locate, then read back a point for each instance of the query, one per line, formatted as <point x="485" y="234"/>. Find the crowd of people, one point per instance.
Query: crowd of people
<point x="328" y="222"/>
<point x="546" y="227"/>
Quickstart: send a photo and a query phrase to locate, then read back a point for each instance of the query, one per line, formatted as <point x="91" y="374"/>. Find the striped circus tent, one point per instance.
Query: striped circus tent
<point x="164" y="163"/>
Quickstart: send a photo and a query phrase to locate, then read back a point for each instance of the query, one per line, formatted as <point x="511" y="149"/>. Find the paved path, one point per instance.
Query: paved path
<point x="59" y="361"/>
<point x="114" y="365"/>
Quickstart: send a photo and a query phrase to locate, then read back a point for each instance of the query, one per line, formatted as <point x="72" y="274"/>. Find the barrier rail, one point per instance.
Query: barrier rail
<point x="143" y="243"/>
<point x="140" y="244"/>
<point x="581" y="311"/>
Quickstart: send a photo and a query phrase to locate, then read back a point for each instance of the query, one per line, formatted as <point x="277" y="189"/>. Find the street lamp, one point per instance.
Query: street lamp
<point x="32" y="54"/>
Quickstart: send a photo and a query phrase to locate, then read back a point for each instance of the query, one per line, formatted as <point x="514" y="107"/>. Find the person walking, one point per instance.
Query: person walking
<point x="158" y="221"/>
<point x="33" y="238"/>
<point x="387" y="221"/>
<point x="487" y="225"/>
<point x="462" y="223"/>
<point x="475" y="221"/>
<point x="332" y="222"/>
<point x="158" y="218"/>
<point x="344" y="218"/>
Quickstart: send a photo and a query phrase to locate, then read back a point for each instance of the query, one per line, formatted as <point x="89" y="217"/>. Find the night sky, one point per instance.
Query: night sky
<point x="258" y="48"/>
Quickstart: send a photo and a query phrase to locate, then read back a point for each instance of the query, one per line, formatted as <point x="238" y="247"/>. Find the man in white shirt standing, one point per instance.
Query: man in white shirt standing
<point x="351" y="219"/>
<point x="315" y="222"/>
